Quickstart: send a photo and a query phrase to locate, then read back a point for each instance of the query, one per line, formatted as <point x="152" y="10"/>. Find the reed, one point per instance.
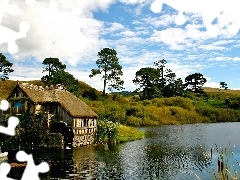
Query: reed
<point x="221" y="163"/>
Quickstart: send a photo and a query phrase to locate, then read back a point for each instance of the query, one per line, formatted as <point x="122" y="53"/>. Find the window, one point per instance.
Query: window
<point x="85" y="122"/>
<point x="18" y="104"/>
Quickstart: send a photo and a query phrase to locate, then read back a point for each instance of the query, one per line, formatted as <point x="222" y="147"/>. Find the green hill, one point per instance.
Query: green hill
<point x="7" y="86"/>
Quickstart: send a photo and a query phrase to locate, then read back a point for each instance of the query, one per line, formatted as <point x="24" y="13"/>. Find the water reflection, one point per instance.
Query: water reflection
<point x="171" y="152"/>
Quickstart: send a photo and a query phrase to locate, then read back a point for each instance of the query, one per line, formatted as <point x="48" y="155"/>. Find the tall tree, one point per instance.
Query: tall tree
<point x="5" y="67"/>
<point x="67" y="79"/>
<point x="161" y="64"/>
<point x="223" y="85"/>
<point x="167" y="83"/>
<point x="51" y="65"/>
<point x="174" y="86"/>
<point x="147" y="79"/>
<point x="195" y="82"/>
<point x="108" y="66"/>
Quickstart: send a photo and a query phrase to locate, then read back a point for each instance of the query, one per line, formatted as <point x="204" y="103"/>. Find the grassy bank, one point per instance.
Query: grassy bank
<point x="109" y="132"/>
<point x="126" y="133"/>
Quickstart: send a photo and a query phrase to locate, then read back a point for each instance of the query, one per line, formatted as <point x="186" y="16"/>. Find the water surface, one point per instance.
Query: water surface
<point x="170" y="152"/>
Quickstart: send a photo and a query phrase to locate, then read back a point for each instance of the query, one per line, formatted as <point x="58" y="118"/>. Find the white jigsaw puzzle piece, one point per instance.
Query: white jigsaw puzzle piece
<point x="4" y="170"/>
<point x="8" y="35"/>
<point x="31" y="171"/>
<point x="199" y="6"/>
<point x="6" y="7"/>
<point x="12" y="124"/>
<point x="4" y="105"/>
<point x="231" y="13"/>
<point x="12" y="121"/>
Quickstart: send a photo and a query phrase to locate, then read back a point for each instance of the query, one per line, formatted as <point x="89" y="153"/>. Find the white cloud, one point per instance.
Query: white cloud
<point x="26" y="73"/>
<point x="60" y="33"/>
<point x="211" y="47"/>
<point x="220" y="58"/>
<point x="162" y="21"/>
<point x="114" y="27"/>
<point x="211" y="84"/>
<point x="76" y="40"/>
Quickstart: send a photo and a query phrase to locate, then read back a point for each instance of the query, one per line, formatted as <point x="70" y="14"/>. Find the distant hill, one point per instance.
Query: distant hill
<point x="7" y="86"/>
<point x="86" y="87"/>
<point x="208" y="89"/>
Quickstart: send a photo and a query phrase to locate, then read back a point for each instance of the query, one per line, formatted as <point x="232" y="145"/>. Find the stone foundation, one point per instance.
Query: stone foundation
<point x="83" y="140"/>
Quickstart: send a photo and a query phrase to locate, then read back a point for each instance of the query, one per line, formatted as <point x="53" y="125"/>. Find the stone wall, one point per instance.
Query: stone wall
<point x="83" y="140"/>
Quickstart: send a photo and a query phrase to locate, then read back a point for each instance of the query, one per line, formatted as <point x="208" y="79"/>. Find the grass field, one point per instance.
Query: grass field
<point x="208" y="89"/>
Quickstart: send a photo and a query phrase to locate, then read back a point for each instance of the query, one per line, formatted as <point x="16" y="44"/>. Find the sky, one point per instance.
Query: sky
<point x="192" y="36"/>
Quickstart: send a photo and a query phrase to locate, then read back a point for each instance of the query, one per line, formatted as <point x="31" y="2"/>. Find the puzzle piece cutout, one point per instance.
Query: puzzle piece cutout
<point x="8" y="35"/>
<point x="75" y="10"/>
<point x="12" y="121"/>
<point x="12" y="124"/>
<point x="31" y="171"/>
<point x="4" y="105"/>
<point x="4" y="170"/>
<point x="209" y="10"/>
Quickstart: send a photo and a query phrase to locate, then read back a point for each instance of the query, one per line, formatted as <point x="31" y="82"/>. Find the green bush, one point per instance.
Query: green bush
<point x="90" y="94"/>
<point x="106" y="132"/>
<point x="53" y="140"/>
<point x="134" y="121"/>
<point x="185" y="103"/>
<point x="220" y="114"/>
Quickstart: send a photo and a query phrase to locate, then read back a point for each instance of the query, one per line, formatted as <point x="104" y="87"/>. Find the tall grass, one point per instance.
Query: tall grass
<point x="222" y="165"/>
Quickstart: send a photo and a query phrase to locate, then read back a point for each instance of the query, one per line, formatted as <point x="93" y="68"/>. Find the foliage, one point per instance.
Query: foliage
<point x="126" y="133"/>
<point x="194" y="82"/>
<point x="233" y="102"/>
<point x="223" y="85"/>
<point x="106" y="132"/>
<point x="65" y="78"/>
<point x="158" y="82"/>
<point x="30" y="133"/>
<point x="111" y="133"/>
<point x="51" y="65"/>
<point x="146" y="78"/>
<point x="32" y="129"/>
<point x="161" y="72"/>
<point x="110" y="69"/>
<point x="53" y="140"/>
<point x="90" y="94"/>
<point x="86" y="87"/>
<point x="219" y="114"/>
<point x="174" y="101"/>
<point x="5" y="67"/>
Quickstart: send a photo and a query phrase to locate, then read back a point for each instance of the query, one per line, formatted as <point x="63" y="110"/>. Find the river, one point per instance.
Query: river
<point x="168" y="152"/>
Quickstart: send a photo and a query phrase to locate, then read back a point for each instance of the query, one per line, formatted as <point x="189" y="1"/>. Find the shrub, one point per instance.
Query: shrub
<point x="90" y="94"/>
<point x="53" y="140"/>
<point x="220" y="114"/>
<point x="174" y="101"/>
<point x="106" y="132"/>
<point x="134" y="121"/>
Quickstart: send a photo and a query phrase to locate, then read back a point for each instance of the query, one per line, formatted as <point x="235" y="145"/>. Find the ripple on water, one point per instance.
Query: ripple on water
<point x="170" y="152"/>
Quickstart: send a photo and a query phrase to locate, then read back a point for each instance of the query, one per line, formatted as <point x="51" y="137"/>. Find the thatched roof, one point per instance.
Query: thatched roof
<point x="73" y="105"/>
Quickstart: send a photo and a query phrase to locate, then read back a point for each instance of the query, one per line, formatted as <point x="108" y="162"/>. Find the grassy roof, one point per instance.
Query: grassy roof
<point x="73" y="105"/>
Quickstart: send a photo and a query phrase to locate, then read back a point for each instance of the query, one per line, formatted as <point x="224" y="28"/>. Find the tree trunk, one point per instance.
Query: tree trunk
<point x="104" y="83"/>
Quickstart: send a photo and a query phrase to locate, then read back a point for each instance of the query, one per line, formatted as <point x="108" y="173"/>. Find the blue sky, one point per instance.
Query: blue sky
<point x="136" y="29"/>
